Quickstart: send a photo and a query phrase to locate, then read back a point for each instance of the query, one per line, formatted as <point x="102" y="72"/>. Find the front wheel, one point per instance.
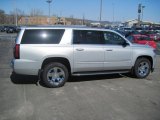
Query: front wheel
<point x="55" y="75"/>
<point x="142" y="68"/>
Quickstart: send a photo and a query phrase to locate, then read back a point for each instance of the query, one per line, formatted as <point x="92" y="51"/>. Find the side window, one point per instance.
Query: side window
<point x="113" y="38"/>
<point x="131" y="39"/>
<point x="42" y="36"/>
<point x="88" y="37"/>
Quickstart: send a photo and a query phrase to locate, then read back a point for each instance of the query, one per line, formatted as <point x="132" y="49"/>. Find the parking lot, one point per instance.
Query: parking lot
<point x="106" y="97"/>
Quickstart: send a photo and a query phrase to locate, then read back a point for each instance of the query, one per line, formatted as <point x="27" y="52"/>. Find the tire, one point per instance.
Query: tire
<point x="55" y="75"/>
<point x="142" y="68"/>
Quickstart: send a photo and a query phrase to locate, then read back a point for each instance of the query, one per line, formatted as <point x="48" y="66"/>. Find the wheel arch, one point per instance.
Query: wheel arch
<point x="147" y="57"/>
<point x="62" y="60"/>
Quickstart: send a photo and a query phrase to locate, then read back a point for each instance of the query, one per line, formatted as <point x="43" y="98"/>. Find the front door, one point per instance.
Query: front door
<point x="118" y="54"/>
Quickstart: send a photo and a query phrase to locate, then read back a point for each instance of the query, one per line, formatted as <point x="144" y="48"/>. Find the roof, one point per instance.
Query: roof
<point x="62" y="27"/>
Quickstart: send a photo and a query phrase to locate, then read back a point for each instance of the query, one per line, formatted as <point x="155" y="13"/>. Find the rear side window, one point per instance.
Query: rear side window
<point x="42" y="36"/>
<point x="88" y="37"/>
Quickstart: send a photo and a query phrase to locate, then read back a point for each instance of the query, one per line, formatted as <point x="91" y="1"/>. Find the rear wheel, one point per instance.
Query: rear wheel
<point x="55" y="75"/>
<point x="142" y="68"/>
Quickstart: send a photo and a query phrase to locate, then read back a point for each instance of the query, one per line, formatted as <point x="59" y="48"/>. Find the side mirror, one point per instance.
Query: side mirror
<point x="124" y="44"/>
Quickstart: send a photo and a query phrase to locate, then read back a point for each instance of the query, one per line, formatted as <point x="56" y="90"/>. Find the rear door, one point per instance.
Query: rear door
<point x="88" y="50"/>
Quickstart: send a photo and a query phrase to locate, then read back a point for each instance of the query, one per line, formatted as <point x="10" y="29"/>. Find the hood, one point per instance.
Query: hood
<point x="141" y="45"/>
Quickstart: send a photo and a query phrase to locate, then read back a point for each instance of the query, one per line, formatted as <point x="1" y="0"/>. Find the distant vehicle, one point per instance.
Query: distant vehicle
<point x="156" y="37"/>
<point x="127" y="29"/>
<point x="120" y="32"/>
<point x="152" y="34"/>
<point x="139" y="29"/>
<point x="142" y="39"/>
<point x="2" y="29"/>
<point x="6" y="28"/>
<point x="11" y="29"/>
<point x="156" y="29"/>
<point x="131" y="33"/>
<point x="18" y="28"/>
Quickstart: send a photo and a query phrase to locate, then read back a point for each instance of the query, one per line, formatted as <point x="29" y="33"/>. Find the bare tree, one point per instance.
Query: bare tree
<point x="36" y="12"/>
<point x="2" y="17"/>
<point x="16" y="14"/>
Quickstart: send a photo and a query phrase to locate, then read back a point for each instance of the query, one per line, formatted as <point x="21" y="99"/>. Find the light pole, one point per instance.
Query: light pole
<point x="113" y="13"/>
<point x="142" y="12"/>
<point x="49" y="2"/>
<point x="100" y="17"/>
<point x="16" y="18"/>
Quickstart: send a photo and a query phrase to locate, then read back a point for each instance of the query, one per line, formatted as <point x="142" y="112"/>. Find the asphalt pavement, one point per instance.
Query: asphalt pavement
<point x="106" y="97"/>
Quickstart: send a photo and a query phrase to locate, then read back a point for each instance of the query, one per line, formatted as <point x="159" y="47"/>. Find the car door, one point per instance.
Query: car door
<point x="118" y="53"/>
<point x="88" y="51"/>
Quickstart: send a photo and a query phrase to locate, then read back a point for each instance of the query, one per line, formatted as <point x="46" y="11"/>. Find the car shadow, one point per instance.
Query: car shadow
<point x="28" y="79"/>
<point x="94" y="77"/>
<point x="23" y="79"/>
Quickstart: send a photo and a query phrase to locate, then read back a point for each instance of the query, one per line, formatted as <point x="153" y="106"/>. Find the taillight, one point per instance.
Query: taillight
<point x="16" y="51"/>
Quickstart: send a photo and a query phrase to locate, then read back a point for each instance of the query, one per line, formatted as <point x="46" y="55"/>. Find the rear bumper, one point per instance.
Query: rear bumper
<point x="24" y="67"/>
<point x="12" y="64"/>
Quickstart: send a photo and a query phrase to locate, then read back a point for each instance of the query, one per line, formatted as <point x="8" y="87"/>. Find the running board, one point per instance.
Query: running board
<point x="99" y="73"/>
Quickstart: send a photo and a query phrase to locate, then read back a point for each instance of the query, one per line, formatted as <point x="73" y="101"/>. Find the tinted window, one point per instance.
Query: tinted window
<point x="88" y="37"/>
<point x="44" y="36"/>
<point x="113" y="38"/>
<point x="131" y="39"/>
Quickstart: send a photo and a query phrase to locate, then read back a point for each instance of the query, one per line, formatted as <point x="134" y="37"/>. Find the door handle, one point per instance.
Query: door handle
<point x="109" y="50"/>
<point x="80" y="49"/>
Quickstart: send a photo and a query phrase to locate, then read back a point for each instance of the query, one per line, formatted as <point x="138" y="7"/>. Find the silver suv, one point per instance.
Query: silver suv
<point x="55" y="53"/>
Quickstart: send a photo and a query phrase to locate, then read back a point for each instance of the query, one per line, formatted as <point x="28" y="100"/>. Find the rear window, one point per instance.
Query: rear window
<point x="42" y="36"/>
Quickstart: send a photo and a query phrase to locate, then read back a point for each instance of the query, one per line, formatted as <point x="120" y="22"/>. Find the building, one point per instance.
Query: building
<point x="134" y="22"/>
<point x="42" y="20"/>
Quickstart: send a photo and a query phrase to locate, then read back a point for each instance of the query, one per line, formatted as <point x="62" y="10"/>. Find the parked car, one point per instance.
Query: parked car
<point x="6" y="28"/>
<point x="139" y="29"/>
<point x="156" y="29"/>
<point x="2" y="29"/>
<point x="142" y="39"/>
<point x="55" y="53"/>
<point x="11" y="29"/>
<point x="18" y="28"/>
<point x="154" y="36"/>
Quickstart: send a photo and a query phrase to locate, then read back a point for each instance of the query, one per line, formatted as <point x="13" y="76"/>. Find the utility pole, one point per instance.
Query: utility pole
<point x="15" y="13"/>
<point x="139" y="13"/>
<point x="83" y="20"/>
<point x="49" y="2"/>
